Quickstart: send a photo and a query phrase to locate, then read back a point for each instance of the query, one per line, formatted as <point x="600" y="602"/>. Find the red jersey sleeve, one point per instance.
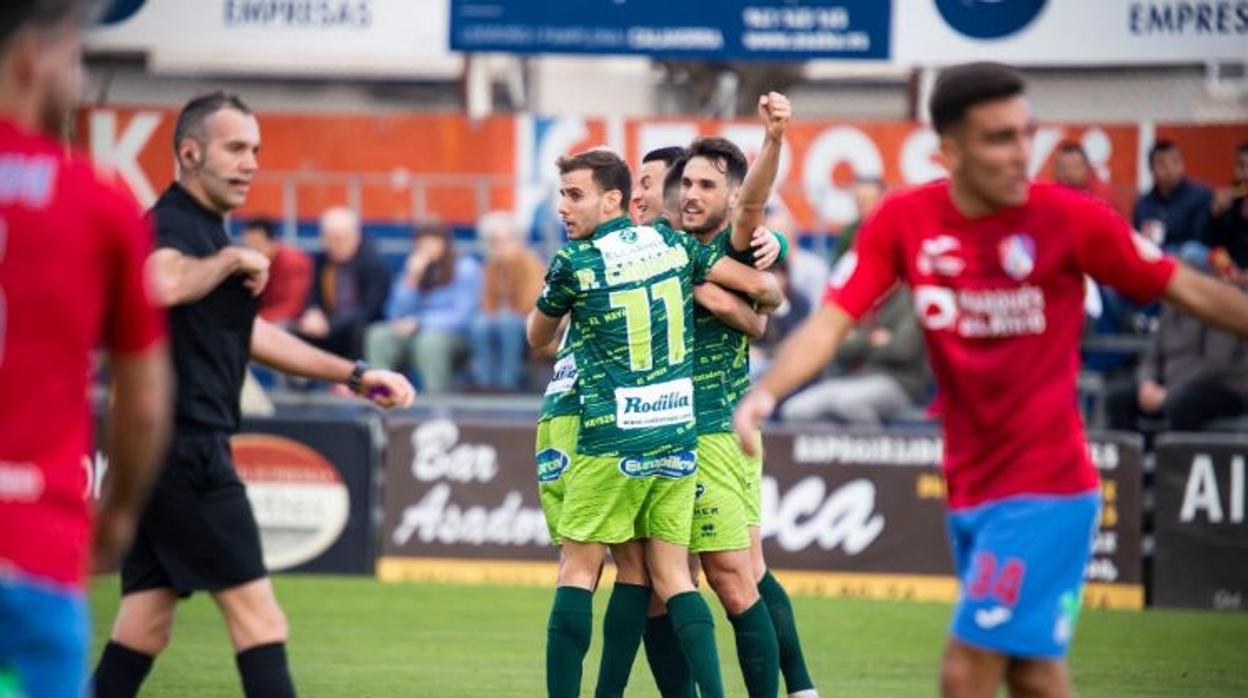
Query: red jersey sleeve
<point x="134" y="322"/>
<point x="1111" y="253"/>
<point x="870" y="269"/>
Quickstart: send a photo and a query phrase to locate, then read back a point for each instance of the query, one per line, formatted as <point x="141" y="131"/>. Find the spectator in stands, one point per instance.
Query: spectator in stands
<point x="780" y="323"/>
<point x="867" y="194"/>
<point x="349" y="286"/>
<point x="807" y="271"/>
<point x="1175" y="212"/>
<point x="430" y="310"/>
<point x="1190" y="375"/>
<point x="1072" y="168"/>
<point x="290" y="273"/>
<point x="1228" y="233"/>
<point x="884" y="371"/>
<point x="513" y="280"/>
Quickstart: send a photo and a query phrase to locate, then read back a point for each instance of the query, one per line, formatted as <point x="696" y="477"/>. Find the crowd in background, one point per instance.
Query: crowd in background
<point x="454" y="319"/>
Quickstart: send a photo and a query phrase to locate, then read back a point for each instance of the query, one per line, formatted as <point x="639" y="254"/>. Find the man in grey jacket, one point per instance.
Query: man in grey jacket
<point x="1191" y="374"/>
<point x="884" y="371"/>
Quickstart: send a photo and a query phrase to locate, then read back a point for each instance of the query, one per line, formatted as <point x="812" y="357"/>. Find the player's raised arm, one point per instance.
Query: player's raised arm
<point x="1216" y="302"/>
<point x="1111" y="253"/>
<point x="729" y="308"/>
<point x="774" y="110"/>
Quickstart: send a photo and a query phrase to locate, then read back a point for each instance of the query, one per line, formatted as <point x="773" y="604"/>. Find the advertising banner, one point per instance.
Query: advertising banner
<point x="398" y="167"/>
<point x="381" y="38"/>
<point x="312" y="482"/>
<point x="844" y="512"/>
<point x="735" y="30"/>
<point x="1061" y="32"/>
<point x="1201" y="538"/>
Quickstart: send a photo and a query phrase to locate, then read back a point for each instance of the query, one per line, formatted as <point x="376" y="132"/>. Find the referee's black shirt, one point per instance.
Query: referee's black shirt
<point x="211" y="337"/>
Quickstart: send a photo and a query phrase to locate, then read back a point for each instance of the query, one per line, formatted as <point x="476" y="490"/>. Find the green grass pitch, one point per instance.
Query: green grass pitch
<point x="356" y="637"/>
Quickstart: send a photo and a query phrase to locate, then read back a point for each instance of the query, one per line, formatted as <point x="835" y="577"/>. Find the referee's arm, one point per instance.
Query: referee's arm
<point x="283" y="351"/>
<point x="186" y="279"/>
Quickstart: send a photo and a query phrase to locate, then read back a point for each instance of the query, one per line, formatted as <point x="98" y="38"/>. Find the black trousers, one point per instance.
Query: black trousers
<point x="1189" y="408"/>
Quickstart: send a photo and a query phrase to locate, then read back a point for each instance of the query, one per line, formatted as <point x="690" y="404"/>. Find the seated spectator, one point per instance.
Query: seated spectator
<point x="429" y="312"/>
<point x="1190" y="375"/>
<point x="885" y="371"/>
<point x="808" y="272"/>
<point x="1228" y="233"/>
<point x="1071" y="168"/>
<point x="780" y="323"/>
<point x="513" y="280"/>
<point x="867" y="194"/>
<point x="290" y="273"/>
<point x="349" y="289"/>
<point x="1175" y="212"/>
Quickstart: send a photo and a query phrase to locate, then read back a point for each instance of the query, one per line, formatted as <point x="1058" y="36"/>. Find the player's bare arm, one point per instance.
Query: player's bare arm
<point x="800" y="358"/>
<point x="760" y="286"/>
<point x="1216" y="302"/>
<point x="541" y="329"/>
<point x="729" y="308"/>
<point x="774" y="110"/>
<point x="186" y="279"/>
<point x="138" y="431"/>
<point x="283" y="351"/>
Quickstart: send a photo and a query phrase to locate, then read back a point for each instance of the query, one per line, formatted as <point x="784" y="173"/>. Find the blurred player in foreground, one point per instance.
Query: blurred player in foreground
<point x="995" y="262"/>
<point x="72" y="255"/>
<point x="198" y="532"/>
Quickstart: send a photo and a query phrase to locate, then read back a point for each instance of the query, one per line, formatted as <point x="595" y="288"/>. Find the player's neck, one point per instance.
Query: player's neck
<point x="968" y="203"/>
<point x="18" y="110"/>
<point x="708" y="234"/>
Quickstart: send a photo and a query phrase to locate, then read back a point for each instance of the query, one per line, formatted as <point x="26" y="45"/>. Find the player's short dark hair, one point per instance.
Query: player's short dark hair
<point x="16" y="15"/>
<point x="667" y="155"/>
<point x="266" y="225"/>
<point x="1165" y="145"/>
<point x="195" y="113"/>
<point x="675" y="171"/>
<point x="608" y="169"/>
<point x="1069" y="147"/>
<point x="964" y="86"/>
<point x="723" y="154"/>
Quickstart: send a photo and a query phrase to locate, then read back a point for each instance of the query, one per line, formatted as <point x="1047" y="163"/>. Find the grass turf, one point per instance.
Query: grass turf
<point x="354" y="637"/>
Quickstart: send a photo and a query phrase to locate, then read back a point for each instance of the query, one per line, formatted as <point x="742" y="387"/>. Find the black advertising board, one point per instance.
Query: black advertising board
<point x="1201" y="539"/>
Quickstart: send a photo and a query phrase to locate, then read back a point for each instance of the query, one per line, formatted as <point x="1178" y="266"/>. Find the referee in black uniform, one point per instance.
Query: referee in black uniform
<point x="198" y="532"/>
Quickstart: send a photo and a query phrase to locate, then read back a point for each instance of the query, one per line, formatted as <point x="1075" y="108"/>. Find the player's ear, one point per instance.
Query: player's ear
<point x="613" y="199"/>
<point x="950" y="150"/>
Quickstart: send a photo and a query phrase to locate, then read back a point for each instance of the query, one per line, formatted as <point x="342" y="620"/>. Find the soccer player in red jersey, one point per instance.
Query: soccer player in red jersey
<point x="996" y="263"/>
<point x="72" y="252"/>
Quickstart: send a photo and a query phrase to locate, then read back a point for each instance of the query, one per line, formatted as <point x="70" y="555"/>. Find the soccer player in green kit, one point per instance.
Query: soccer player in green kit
<point x="629" y="292"/>
<point x="726" y="532"/>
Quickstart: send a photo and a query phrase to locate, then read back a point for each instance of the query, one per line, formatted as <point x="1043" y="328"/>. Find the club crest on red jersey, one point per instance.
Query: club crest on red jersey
<point x="1018" y="255"/>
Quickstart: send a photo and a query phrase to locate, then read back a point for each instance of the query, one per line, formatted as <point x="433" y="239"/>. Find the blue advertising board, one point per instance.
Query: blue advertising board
<point x="694" y="29"/>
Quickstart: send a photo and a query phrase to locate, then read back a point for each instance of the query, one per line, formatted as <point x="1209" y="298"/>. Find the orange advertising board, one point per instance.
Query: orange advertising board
<point x="399" y="167"/>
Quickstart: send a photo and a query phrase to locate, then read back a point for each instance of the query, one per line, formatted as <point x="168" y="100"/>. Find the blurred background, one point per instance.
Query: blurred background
<point x="389" y="125"/>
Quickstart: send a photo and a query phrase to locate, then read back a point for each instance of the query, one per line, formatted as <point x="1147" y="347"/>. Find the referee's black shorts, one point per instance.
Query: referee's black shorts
<point x="198" y="532"/>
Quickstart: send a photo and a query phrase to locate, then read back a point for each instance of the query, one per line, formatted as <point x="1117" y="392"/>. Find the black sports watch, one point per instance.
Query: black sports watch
<point x="355" y="380"/>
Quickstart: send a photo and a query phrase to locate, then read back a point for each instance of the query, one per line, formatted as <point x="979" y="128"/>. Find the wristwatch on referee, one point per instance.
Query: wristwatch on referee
<point x="356" y="380"/>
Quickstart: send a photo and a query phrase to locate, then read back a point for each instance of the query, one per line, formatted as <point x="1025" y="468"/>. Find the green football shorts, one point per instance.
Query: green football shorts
<point x="556" y="442"/>
<point x="614" y="499"/>
<point x="728" y="499"/>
